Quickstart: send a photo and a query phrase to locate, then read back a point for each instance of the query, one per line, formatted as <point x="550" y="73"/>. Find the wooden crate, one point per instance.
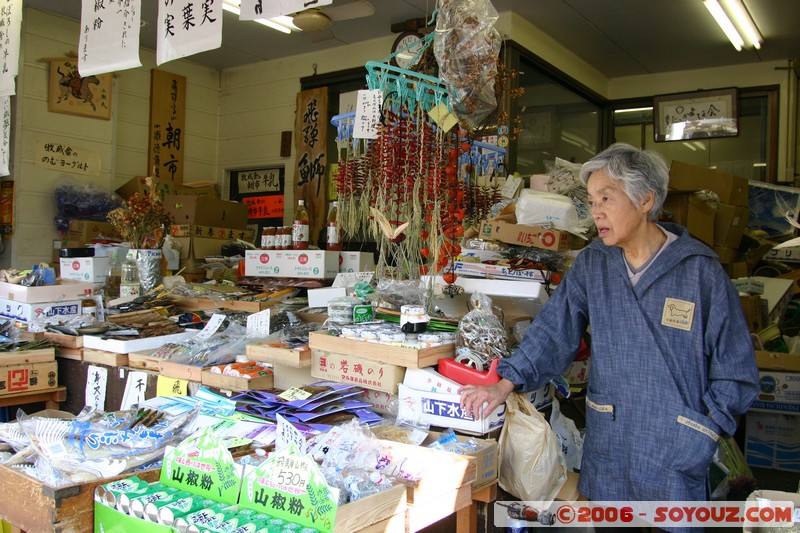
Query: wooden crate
<point x="280" y="354"/>
<point x="21" y="357"/>
<point x="384" y="511"/>
<point x="67" y="341"/>
<point x="100" y="357"/>
<point x="144" y="360"/>
<point x="45" y="509"/>
<point x="383" y="353"/>
<point x="236" y="383"/>
<point x="428" y="511"/>
<point x="187" y="304"/>
<point x="76" y="354"/>
<point x="179" y="371"/>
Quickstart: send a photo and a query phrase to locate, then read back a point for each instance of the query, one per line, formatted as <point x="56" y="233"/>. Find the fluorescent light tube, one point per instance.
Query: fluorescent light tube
<point x="725" y="23"/>
<point x="744" y="22"/>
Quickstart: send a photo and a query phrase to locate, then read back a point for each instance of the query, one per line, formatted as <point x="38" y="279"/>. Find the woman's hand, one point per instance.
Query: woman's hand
<point x="473" y="397"/>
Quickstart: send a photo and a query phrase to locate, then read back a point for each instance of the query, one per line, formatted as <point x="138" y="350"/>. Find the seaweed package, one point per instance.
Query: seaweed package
<point x="481" y="336"/>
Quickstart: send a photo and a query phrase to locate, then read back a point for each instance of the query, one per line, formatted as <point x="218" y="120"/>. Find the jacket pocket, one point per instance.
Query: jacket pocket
<point x="600" y="417"/>
<point x="696" y="439"/>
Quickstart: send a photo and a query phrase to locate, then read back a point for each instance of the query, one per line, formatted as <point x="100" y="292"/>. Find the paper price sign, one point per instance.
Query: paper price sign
<point x="293" y="393"/>
<point x="212" y="326"/>
<point x="288" y="434"/>
<point x="258" y="324"/>
<point x="293" y="477"/>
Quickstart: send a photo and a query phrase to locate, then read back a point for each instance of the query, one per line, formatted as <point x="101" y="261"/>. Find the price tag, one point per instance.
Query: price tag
<point x="212" y="326"/>
<point x="288" y="434"/>
<point x="511" y="186"/>
<point x="349" y="279"/>
<point x="368" y="114"/>
<point x="291" y="475"/>
<point x="258" y="324"/>
<point x="442" y="117"/>
<point x="293" y="393"/>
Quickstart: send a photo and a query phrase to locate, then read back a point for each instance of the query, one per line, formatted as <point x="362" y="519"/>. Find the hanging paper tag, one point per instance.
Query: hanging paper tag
<point x="293" y="393"/>
<point x="135" y="389"/>
<point x="442" y="117"/>
<point x="258" y="324"/>
<point x="368" y="114"/>
<point x="511" y="186"/>
<point x="212" y="326"/>
<point x="96" y="379"/>
<point x="288" y="434"/>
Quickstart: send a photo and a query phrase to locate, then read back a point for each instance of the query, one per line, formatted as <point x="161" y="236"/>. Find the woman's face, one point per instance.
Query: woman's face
<point x="616" y="217"/>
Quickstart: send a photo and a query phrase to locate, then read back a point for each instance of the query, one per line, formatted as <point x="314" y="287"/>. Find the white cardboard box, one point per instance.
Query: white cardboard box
<point x="135" y="345"/>
<point x="778" y="391"/>
<point x="321" y="297"/>
<point x="517" y="298"/>
<point x="439" y="409"/>
<point x="66" y="290"/>
<point x="26" y="312"/>
<point x="87" y="269"/>
<point x="313" y="264"/>
<point x="356" y="261"/>
<point x="483" y="270"/>
<point x="772" y="440"/>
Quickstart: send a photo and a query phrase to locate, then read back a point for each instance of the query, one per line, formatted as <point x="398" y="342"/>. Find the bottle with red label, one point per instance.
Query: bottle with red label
<point x="333" y="233"/>
<point x="268" y="235"/>
<point x="300" y="227"/>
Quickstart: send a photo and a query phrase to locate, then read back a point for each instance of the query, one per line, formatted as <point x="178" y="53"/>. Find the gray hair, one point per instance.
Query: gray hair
<point x="639" y="171"/>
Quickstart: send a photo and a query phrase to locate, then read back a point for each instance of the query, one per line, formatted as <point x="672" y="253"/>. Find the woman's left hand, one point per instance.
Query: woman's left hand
<point x="474" y="397"/>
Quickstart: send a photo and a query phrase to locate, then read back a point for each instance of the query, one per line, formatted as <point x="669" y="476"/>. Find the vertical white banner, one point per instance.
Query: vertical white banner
<point x="135" y="389"/>
<point x="109" y="39"/>
<point x="10" y="27"/>
<point x="96" y="380"/>
<point x="5" y="141"/>
<point x="276" y="8"/>
<point x="187" y="27"/>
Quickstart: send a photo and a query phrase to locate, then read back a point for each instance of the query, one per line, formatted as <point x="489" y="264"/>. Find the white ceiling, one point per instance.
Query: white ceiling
<point x="618" y="37"/>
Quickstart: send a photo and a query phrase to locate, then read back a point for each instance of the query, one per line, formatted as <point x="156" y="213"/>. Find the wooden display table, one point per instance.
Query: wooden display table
<point x="51" y="398"/>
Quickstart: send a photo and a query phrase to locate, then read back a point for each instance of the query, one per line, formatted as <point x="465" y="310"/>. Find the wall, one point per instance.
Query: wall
<point x="120" y="142"/>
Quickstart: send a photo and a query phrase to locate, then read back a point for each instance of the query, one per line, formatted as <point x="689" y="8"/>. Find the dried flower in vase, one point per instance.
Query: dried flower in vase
<point x="142" y="220"/>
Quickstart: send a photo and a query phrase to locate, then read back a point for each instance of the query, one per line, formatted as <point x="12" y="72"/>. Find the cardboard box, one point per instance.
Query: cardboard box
<point x="356" y="261"/>
<point x="198" y="248"/>
<point x="139" y="184"/>
<point x="778" y="293"/>
<point x="26" y="312"/>
<point x="487" y="454"/>
<point x="321" y="297"/>
<point x="86" y="269"/>
<point x="726" y="256"/>
<point x="737" y="269"/>
<point x="778" y="382"/>
<point x="764" y="498"/>
<point x="351" y="369"/>
<point x="28" y="377"/>
<point x="534" y="236"/>
<point x="772" y="440"/>
<point x="731" y="189"/>
<point x="313" y="264"/>
<point x="483" y="270"/>
<point x="83" y="231"/>
<point x="754" y="312"/>
<point x="730" y="222"/>
<point x="210" y="232"/>
<point x="441" y="409"/>
<point x="789" y="254"/>
<point x="199" y="210"/>
<point x="198" y="188"/>
<point x="63" y="290"/>
<point x="692" y="212"/>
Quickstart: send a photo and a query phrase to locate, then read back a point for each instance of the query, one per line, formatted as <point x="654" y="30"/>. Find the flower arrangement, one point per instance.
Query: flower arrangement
<point x="142" y="220"/>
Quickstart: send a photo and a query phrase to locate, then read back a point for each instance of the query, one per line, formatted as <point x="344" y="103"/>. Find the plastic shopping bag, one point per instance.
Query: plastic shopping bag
<point x="569" y="437"/>
<point x="532" y="466"/>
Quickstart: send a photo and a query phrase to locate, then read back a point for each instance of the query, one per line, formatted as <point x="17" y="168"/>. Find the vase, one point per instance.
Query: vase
<point x="148" y="262"/>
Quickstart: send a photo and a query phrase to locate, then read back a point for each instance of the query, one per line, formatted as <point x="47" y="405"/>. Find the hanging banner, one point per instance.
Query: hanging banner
<point x="311" y="141"/>
<point x="276" y="8"/>
<point x="187" y="27"/>
<point x="167" y="117"/>
<point x="11" y="24"/>
<point x="5" y="142"/>
<point x="109" y="39"/>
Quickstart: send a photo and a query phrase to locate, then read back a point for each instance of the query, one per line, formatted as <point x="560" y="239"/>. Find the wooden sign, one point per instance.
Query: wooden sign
<point x="311" y="142"/>
<point x="167" y="119"/>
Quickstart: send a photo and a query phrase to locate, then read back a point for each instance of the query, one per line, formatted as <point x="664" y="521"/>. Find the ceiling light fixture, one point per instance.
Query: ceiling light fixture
<point x="744" y="25"/>
<point x="281" y="24"/>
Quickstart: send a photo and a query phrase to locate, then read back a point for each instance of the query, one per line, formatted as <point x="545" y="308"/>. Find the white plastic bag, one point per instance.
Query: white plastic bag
<point x="569" y="437"/>
<point x="531" y="463"/>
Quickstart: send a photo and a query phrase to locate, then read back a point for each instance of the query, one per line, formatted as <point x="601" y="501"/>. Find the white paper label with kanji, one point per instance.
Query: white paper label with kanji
<point x="188" y="27"/>
<point x="11" y="22"/>
<point x="96" y="380"/>
<point x="109" y="37"/>
<point x="258" y="324"/>
<point x="135" y="389"/>
<point x="286" y="434"/>
<point x="212" y="326"/>
<point x="368" y="114"/>
<point x="276" y="8"/>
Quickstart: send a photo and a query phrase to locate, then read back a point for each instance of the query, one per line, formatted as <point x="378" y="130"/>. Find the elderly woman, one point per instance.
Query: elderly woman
<point x="672" y="361"/>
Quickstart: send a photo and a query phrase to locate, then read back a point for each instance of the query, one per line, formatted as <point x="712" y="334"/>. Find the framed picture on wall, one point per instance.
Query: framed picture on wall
<point x="70" y="93"/>
<point x="696" y="115"/>
<point x="538" y="127"/>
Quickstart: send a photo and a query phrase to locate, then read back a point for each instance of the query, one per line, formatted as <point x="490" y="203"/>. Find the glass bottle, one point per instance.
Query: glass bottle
<point x="286" y="238"/>
<point x="333" y="234"/>
<point x="268" y="238"/>
<point x="129" y="281"/>
<point x="114" y="276"/>
<point x="300" y="227"/>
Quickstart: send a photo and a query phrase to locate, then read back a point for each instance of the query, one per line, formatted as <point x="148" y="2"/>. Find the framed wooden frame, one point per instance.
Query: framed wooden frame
<point x="538" y="127"/>
<point x="70" y="93"/>
<point x="696" y="115"/>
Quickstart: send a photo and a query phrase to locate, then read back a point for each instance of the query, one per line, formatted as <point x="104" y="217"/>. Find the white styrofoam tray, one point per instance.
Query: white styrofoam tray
<point x="135" y="345"/>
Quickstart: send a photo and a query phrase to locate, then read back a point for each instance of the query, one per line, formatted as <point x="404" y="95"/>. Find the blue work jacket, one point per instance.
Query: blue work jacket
<point x="672" y="365"/>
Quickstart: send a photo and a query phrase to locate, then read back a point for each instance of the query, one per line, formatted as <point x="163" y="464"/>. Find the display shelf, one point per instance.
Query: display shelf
<point x="383" y="353"/>
<point x="236" y="383"/>
<point x="281" y="354"/>
<point x="22" y="357"/>
<point x="102" y="357"/>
